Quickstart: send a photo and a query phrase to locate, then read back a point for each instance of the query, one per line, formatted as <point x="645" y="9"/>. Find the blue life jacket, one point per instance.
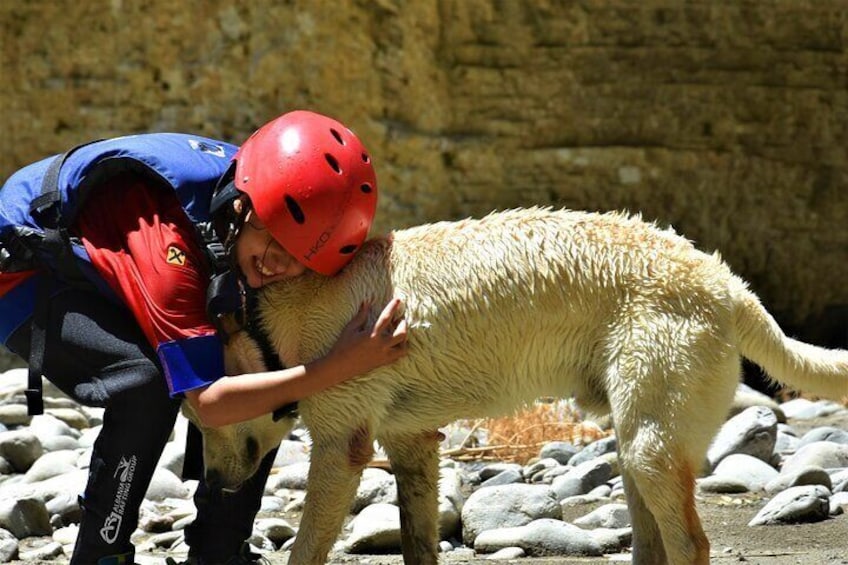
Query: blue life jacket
<point x="40" y="201"/>
<point x="36" y="199"/>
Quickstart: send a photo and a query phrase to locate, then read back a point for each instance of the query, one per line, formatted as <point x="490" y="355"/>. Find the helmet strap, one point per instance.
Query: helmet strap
<point x="236" y="223"/>
<point x="228" y="226"/>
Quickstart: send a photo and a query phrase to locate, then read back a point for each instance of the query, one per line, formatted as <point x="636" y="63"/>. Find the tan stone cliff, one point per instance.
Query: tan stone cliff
<point x="726" y="120"/>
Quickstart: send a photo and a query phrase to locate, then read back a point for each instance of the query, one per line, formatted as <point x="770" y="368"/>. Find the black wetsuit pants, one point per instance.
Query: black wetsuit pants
<point x="97" y="354"/>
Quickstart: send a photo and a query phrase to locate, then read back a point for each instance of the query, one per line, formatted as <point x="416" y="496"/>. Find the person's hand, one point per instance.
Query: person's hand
<point x="361" y="348"/>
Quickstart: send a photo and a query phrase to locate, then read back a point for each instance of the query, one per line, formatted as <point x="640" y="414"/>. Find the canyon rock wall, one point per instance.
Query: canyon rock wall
<point x="726" y="120"/>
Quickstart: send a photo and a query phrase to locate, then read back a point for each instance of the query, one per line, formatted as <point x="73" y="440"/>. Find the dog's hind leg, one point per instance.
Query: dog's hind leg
<point x="647" y="541"/>
<point x="336" y="464"/>
<point x="414" y="461"/>
<point x="660" y="487"/>
<point x="660" y="441"/>
<point x="670" y="381"/>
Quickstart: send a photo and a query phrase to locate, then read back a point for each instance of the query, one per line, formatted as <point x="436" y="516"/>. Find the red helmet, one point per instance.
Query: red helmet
<point x="312" y="184"/>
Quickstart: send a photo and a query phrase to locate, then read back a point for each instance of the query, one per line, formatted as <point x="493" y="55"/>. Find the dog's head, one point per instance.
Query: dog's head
<point x="232" y="454"/>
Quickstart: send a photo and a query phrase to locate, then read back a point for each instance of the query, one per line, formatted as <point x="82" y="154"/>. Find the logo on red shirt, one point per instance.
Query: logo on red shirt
<point x="176" y="256"/>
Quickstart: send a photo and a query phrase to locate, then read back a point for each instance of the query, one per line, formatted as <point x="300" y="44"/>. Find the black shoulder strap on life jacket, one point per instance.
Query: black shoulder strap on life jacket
<point x="46" y="209"/>
<point x="37" y="346"/>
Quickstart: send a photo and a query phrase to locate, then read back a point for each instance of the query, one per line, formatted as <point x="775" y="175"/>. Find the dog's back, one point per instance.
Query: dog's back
<point x="502" y="310"/>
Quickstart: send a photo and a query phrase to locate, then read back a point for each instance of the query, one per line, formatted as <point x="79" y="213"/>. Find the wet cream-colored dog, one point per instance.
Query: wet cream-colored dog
<point x="626" y="317"/>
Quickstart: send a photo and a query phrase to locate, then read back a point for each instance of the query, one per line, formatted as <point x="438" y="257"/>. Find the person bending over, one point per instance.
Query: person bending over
<point x="117" y="259"/>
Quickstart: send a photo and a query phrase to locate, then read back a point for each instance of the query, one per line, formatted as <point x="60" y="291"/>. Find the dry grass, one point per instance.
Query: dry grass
<point x="518" y="438"/>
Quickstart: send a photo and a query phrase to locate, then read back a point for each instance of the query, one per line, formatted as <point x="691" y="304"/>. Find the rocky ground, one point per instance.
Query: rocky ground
<point x="823" y="543"/>
<point x="755" y="462"/>
<point x="725" y="519"/>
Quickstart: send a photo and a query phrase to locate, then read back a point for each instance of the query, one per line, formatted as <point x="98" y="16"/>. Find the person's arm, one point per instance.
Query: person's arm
<point x="358" y="350"/>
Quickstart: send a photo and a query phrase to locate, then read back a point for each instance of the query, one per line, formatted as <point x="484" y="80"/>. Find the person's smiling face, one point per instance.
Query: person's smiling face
<point x="260" y="257"/>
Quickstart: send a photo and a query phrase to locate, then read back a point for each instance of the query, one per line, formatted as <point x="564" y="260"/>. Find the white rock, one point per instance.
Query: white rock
<point x="507" y="553"/>
<point x="8" y="546"/>
<point x="746" y="397"/>
<point x="798" y="476"/>
<point x="582" y="478"/>
<point x="607" y="516"/>
<point x="822" y="454"/>
<point x="825" y="433"/>
<point x="25" y="517"/>
<point x="275" y="529"/>
<point x="493" y="469"/>
<point x="510" y="476"/>
<point x="21" y="448"/>
<point x="506" y="506"/>
<point x="290" y="452"/>
<point x="173" y="457"/>
<point x="166" y="484"/>
<point x="796" y="504"/>
<point x="66" y="535"/>
<point x="375" y="487"/>
<point x="49" y="550"/>
<point x="838" y="503"/>
<point x="89" y="436"/>
<point x="376" y="529"/>
<point x="47" y="425"/>
<point x="745" y="469"/>
<point x="543" y="537"/>
<point x="751" y="432"/>
<point x="51" y="465"/>
<point x="594" y="449"/>
<point x="450" y="487"/>
<point x="73" y="417"/>
<point x="291" y="476"/>
<point x="561" y="451"/>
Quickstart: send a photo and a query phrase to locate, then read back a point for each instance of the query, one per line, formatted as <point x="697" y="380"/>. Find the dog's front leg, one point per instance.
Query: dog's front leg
<point x="335" y="468"/>
<point x="415" y="462"/>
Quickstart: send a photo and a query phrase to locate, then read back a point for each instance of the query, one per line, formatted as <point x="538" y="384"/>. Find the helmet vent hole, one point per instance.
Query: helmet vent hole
<point x="365" y="187"/>
<point x="334" y="164"/>
<point x="347" y="249"/>
<point x="295" y="210"/>
<point x="338" y="136"/>
<point x="366" y="158"/>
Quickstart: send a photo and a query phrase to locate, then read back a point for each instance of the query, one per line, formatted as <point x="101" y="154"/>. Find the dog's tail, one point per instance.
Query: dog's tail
<point x="802" y="366"/>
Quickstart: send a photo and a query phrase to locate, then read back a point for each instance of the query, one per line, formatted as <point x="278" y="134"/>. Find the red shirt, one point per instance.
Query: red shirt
<point x="142" y="243"/>
<point x="8" y="281"/>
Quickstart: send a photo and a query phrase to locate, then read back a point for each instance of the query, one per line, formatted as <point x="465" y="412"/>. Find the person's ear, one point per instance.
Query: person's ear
<point x="238" y="205"/>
